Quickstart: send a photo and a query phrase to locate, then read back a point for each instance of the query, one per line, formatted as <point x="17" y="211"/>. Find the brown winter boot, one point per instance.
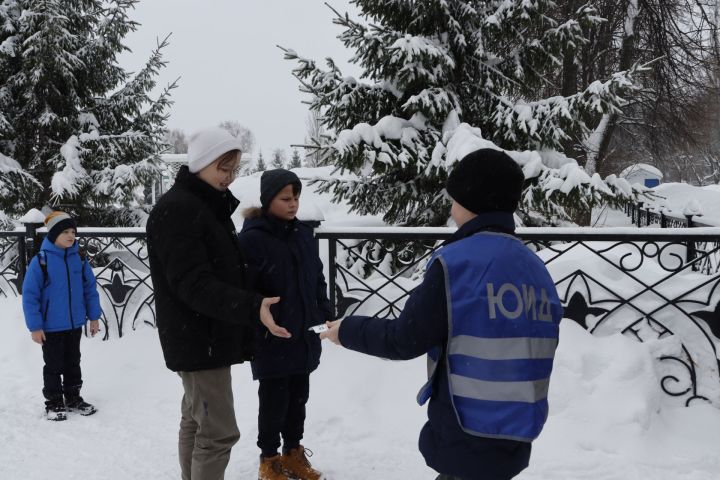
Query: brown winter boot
<point x="271" y="468"/>
<point x="296" y="464"/>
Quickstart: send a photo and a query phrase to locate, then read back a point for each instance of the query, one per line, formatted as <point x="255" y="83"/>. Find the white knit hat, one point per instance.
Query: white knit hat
<point x="205" y="146"/>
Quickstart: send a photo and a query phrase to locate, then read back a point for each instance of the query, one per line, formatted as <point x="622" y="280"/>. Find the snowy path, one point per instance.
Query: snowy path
<point x="362" y="421"/>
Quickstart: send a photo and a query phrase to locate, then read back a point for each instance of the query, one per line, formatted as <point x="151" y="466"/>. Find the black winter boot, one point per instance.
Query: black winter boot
<point x="55" y="409"/>
<point x="78" y="405"/>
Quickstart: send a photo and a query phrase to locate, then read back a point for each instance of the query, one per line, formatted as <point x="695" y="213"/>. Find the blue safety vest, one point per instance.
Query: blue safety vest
<point x="503" y="330"/>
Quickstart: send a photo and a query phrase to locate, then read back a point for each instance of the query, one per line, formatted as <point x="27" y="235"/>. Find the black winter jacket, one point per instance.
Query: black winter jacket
<point x="283" y="261"/>
<point x="205" y="315"/>
<point x="422" y="325"/>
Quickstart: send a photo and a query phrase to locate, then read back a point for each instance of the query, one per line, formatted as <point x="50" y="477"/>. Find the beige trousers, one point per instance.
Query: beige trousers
<point x="208" y="429"/>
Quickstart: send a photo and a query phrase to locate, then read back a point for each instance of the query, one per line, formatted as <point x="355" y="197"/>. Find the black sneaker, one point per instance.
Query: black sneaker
<point x="55" y="410"/>
<point x="78" y="405"/>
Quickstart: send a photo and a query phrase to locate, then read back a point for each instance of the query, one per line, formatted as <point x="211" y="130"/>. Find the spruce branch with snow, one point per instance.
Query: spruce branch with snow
<point x="436" y="74"/>
<point x="86" y="130"/>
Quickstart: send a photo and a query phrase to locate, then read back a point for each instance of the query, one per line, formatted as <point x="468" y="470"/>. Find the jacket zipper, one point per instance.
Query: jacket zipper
<point x="67" y="270"/>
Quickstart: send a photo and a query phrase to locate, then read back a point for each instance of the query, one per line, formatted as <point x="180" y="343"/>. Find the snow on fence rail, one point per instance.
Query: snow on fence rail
<point x="658" y="286"/>
<point x="644" y="215"/>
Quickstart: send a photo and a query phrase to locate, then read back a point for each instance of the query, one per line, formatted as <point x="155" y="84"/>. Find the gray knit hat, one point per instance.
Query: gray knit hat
<point x="58" y="221"/>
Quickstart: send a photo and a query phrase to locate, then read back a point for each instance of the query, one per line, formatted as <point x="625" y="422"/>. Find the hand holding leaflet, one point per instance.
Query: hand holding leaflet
<point x="332" y="332"/>
<point x="319" y="328"/>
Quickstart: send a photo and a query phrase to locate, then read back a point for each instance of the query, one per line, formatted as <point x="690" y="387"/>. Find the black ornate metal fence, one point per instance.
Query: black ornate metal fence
<point x="647" y="215"/>
<point x="119" y="260"/>
<point x="651" y="284"/>
<point x="658" y="284"/>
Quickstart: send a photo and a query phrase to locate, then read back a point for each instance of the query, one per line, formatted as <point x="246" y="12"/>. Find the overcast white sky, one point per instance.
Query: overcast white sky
<point x="225" y="53"/>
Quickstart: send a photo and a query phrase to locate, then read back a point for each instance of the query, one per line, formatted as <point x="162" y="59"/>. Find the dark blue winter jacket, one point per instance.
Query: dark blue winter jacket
<point x="283" y="261"/>
<point x="423" y="325"/>
<point x="66" y="297"/>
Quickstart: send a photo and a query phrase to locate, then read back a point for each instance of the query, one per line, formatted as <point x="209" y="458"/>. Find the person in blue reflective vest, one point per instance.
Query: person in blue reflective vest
<point x="487" y="314"/>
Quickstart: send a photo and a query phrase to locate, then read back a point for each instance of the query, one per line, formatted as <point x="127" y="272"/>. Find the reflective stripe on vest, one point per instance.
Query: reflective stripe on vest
<point x="503" y="314"/>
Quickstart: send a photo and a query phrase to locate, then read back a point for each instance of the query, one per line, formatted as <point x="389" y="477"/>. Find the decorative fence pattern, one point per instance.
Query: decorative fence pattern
<point x="654" y="284"/>
<point x="119" y="260"/>
<point x="648" y="285"/>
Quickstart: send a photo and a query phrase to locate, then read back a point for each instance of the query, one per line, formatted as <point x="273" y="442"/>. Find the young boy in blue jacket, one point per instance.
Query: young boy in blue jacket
<point x="284" y="262"/>
<point x="59" y="296"/>
<point x="487" y="314"/>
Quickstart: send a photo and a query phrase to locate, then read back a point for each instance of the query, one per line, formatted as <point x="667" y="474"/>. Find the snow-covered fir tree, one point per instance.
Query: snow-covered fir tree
<point x="295" y="161"/>
<point x="85" y="132"/>
<point x="442" y="78"/>
<point x="278" y="158"/>
<point x="260" y="164"/>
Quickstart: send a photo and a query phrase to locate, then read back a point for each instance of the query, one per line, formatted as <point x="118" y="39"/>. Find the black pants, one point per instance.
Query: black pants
<point x="61" y="352"/>
<point x="282" y="412"/>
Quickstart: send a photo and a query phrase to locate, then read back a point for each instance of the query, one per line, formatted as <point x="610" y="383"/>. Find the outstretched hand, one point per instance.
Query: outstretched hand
<point x="267" y="319"/>
<point x="333" y="332"/>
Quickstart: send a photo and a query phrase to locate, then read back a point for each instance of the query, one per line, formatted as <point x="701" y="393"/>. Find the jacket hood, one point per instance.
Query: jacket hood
<point x="258" y="219"/>
<point x="50" y="247"/>
<point x="502" y="222"/>
<point x="252" y="213"/>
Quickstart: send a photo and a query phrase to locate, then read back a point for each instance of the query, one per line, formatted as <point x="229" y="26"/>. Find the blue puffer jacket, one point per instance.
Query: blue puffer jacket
<point x="422" y="326"/>
<point x="283" y="261"/>
<point x="67" y="298"/>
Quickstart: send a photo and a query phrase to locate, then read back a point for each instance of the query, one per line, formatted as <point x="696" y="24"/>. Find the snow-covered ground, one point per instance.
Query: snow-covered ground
<point x="609" y="420"/>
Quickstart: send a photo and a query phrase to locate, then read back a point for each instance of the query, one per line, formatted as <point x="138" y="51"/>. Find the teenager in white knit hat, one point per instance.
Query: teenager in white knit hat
<point x="206" y="316"/>
<point x="214" y="156"/>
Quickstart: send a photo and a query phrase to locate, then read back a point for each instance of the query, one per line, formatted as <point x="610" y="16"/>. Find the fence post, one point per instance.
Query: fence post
<point x="31" y="238"/>
<point x="648" y="216"/>
<point x="315" y="224"/>
<point x="22" y="262"/>
<point x="26" y="250"/>
<point x="663" y="219"/>
<point x="331" y="265"/>
<point x="639" y="209"/>
<point x="690" y="245"/>
<point x="332" y="273"/>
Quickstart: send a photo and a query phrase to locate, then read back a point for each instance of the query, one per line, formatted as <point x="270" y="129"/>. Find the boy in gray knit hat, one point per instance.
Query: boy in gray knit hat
<point x="59" y="297"/>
